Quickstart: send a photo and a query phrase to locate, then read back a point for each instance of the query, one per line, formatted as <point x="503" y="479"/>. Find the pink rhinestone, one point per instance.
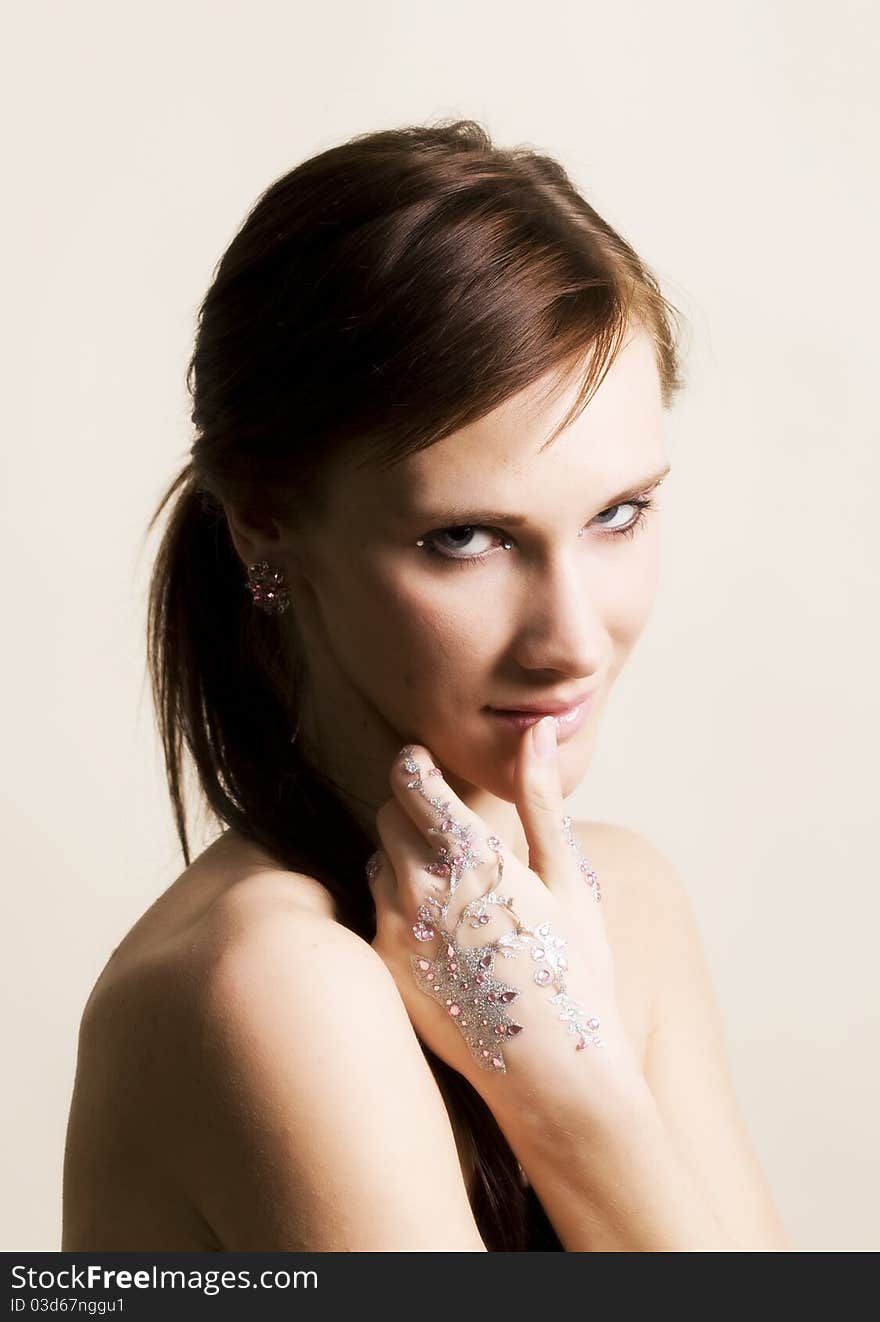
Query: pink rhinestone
<point x="542" y="976"/>
<point x="447" y="824"/>
<point x="423" y="931"/>
<point x="499" y="1064"/>
<point x="483" y="918"/>
<point x="424" y="964"/>
<point x="455" y="1009"/>
<point x="592" y="1023"/>
<point x="580" y="1044"/>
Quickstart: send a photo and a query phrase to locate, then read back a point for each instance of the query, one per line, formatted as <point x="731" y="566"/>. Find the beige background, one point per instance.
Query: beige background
<point x="734" y="145"/>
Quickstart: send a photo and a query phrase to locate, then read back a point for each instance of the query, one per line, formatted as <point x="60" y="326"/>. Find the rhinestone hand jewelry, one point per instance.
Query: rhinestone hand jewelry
<point x="589" y="875"/>
<point x="462" y="978"/>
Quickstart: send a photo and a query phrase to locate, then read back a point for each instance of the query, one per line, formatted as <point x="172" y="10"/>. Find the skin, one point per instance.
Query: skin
<point x="235" y="1148"/>
<point x="413" y="648"/>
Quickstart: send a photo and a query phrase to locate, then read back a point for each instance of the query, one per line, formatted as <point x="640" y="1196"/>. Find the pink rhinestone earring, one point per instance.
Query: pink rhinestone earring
<point x="267" y="588"/>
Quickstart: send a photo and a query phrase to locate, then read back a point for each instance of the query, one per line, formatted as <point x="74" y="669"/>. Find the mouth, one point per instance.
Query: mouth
<point x="568" y="719"/>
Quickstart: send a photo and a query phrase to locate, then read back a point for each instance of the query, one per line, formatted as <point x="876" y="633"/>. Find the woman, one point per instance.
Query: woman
<point x="428" y="388"/>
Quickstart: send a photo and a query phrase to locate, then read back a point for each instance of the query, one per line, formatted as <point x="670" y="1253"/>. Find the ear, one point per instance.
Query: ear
<point x="254" y="536"/>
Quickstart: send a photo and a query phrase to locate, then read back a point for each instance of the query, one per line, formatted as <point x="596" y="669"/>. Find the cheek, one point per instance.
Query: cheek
<point x="426" y="644"/>
<point x="440" y="646"/>
<point x="628" y="606"/>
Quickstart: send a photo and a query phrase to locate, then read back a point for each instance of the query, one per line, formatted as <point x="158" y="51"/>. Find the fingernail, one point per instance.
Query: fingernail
<point x="544" y="737"/>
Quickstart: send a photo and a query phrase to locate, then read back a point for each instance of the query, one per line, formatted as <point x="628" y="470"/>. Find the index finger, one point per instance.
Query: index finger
<point x="440" y="815"/>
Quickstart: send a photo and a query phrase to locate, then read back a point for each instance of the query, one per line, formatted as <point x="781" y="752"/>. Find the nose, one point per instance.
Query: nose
<point x="561" y="628"/>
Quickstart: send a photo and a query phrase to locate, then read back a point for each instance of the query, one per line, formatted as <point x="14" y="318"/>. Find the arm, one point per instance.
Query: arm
<point x="687" y="1068"/>
<point x="317" y="1124"/>
<point x="616" y="1185"/>
<point x="668" y="1165"/>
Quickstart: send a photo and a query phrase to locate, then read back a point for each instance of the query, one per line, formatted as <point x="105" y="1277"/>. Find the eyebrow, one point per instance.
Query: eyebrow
<point x="464" y="516"/>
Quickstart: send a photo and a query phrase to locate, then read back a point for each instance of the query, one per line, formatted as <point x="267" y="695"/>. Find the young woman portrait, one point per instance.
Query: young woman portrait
<point x="404" y="1002"/>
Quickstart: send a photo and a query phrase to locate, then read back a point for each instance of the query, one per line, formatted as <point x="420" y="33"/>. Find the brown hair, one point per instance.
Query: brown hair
<point x="378" y="297"/>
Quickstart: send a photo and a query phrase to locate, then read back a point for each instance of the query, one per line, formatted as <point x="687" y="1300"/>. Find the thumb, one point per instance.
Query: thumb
<point x="538" y="798"/>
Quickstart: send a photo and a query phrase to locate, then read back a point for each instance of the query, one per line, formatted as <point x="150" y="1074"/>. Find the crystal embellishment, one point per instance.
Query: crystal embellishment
<point x="464" y="979"/>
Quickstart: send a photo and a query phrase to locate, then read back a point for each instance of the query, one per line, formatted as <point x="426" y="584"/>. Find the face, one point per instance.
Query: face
<point x="485" y="572"/>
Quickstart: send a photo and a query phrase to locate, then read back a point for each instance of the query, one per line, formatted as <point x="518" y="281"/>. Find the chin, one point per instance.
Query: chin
<point x="494" y="776"/>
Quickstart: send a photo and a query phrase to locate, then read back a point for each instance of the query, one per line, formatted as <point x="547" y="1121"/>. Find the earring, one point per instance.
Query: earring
<point x="267" y="588"/>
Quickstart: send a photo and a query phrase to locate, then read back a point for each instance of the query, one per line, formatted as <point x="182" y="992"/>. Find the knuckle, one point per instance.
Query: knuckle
<point x="544" y="801"/>
<point x="409" y="754"/>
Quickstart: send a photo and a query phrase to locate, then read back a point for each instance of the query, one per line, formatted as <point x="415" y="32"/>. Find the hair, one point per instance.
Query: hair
<point x="378" y="297"/>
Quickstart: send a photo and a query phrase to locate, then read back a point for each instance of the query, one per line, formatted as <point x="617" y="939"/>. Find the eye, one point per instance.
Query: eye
<point x="460" y="537"/>
<point x="631" y="523"/>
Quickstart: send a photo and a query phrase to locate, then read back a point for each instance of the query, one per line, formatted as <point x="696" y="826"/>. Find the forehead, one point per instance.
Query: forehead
<point x="617" y="435"/>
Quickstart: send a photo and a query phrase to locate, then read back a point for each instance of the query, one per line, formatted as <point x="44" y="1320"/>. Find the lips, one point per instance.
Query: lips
<point x="548" y="708"/>
<point x="568" y="720"/>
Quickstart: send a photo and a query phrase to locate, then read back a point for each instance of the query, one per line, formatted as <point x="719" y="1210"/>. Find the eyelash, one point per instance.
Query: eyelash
<point x="642" y="504"/>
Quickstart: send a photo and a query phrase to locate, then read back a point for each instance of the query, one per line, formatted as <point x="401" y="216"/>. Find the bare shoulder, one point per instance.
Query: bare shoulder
<point x="686" y="1062"/>
<point x="655" y="933"/>
<point x="651" y="906"/>
<point x="637" y="882"/>
<point x="641" y="886"/>
<point x="637" y="871"/>
<point x="302" y="1100"/>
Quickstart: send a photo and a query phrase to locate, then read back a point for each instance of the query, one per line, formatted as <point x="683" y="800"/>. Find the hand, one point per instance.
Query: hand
<point x="505" y="970"/>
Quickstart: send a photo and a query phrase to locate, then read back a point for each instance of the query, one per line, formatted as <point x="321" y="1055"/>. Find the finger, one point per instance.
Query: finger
<point x="540" y="805"/>
<point x="455" y="834"/>
<point x="410" y="857"/>
<point x="381" y="879"/>
<point x="434" y="902"/>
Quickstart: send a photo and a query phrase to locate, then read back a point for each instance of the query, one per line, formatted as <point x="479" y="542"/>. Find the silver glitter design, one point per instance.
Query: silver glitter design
<point x="589" y="875"/>
<point x="462" y="979"/>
